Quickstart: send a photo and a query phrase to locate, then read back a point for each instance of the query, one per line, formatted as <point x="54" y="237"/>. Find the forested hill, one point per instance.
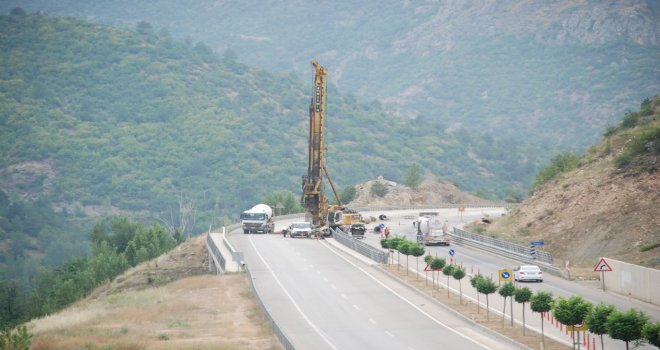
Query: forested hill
<point x="110" y="120"/>
<point x="549" y="74"/>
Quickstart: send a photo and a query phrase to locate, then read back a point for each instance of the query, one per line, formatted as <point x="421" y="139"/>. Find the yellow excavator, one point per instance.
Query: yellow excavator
<point x="313" y="200"/>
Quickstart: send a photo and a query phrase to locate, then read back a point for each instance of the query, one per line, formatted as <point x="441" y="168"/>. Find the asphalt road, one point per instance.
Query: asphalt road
<point x="323" y="298"/>
<point x="477" y="261"/>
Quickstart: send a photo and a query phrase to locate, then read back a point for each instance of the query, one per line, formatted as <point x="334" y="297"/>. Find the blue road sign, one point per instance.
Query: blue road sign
<point x="506" y="275"/>
<point x="537" y="243"/>
<point x="452" y="252"/>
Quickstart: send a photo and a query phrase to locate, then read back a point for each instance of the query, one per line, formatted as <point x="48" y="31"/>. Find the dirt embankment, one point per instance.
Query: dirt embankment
<point x="168" y="303"/>
<point x="429" y="193"/>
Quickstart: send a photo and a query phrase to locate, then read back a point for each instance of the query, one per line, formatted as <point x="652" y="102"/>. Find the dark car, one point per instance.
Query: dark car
<point x="358" y="230"/>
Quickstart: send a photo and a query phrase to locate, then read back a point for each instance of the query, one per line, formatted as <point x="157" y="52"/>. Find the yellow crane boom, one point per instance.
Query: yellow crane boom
<point x="314" y="200"/>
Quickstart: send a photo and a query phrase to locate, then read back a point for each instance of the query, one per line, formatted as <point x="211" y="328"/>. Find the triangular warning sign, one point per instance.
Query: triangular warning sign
<point x="602" y="266"/>
<point x="428" y="267"/>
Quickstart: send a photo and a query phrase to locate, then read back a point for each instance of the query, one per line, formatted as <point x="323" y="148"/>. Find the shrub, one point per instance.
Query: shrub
<point x="630" y="120"/>
<point x="648" y="246"/>
<point x="378" y="189"/>
<point x="561" y="163"/>
<point x="610" y="130"/>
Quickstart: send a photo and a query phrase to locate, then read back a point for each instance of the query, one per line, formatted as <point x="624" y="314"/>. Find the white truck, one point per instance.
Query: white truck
<point x="258" y="219"/>
<point x="431" y="230"/>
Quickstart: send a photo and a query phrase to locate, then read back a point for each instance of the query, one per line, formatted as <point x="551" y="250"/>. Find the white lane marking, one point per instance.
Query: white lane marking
<point x="333" y="286"/>
<point x="344" y="296"/>
<point x="325" y="279"/>
<point x="356" y="307"/>
<point x="372" y="321"/>
<point x="311" y="324"/>
<point x="404" y="299"/>
<point x="390" y="334"/>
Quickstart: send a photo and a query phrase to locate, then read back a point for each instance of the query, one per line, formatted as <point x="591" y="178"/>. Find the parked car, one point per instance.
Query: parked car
<point x="300" y="229"/>
<point x="528" y="273"/>
<point x="358" y="230"/>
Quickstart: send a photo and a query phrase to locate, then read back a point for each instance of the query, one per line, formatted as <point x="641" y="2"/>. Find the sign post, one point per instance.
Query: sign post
<point x="603" y="267"/>
<point x="505" y="275"/>
<point x="532" y="247"/>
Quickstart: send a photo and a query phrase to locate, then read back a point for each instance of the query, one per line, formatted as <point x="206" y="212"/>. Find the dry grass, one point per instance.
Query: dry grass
<point x="469" y="310"/>
<point x="133" y="312"/>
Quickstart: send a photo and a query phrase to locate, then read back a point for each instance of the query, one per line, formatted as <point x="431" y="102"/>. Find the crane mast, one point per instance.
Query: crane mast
<point x="314" y="200"/>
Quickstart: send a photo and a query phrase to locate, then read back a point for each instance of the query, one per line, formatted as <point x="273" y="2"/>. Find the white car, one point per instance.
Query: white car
<point x="528" y="273"/>
<point x="300" y="229"/>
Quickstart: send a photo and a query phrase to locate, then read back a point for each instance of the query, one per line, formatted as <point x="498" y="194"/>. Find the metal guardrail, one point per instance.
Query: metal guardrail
<point x="365" y="249"/>
<point x="215" y="252"/>
<point x="511" y="250"/>
<point x="486" y="204"/>
<point x="278" y="331"/>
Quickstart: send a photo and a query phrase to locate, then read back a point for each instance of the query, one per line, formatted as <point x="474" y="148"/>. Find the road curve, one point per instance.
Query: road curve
<point x="322" y="298"/>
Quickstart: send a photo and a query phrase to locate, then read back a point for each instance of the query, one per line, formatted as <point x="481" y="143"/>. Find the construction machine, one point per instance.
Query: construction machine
<point x="313" y="198"/>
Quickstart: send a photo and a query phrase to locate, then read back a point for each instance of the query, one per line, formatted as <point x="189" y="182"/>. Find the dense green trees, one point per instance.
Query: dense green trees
<point x="286" y="198"/>
<point x="118" y="244"/>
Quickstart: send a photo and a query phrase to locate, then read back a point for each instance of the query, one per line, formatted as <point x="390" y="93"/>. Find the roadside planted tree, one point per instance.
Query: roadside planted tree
<point x="522" y="296"/>
<point x="571" y="312"/>
<point x="474" y="281"/>
<point x="417" y="251"/>
<point x="394" y="244"/>
<point x="596" y="320"/>
<point x="428" y="260"/>
<point x="385" y="243"/>
<point x="506" y="291"/>
<point x="458" y="275"/>
<point x="626" y="326"/>
<point x="651" y="332"/>
<point x="541" y="302"/>
<point x="448" y="271"/>
<point x="487" y="287"/>
<point x="405" y="248"/>
<point x="437" y="264"/>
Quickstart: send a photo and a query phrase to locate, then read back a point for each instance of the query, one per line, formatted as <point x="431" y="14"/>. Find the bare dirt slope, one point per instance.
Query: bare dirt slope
<point x="429" y="193"/>
<point x="167" y="303"/>
<point x="602" y="208"/>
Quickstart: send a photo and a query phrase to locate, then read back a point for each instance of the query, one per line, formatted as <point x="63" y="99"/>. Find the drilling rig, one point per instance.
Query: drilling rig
<point x="313" y="199"/>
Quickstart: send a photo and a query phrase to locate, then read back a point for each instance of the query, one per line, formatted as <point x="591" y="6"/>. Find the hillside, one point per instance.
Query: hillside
<point x="606" y="206"/>
<point x="430" y="192"/>
<point x="167" y="303"/>
<point x="548" y="75"/>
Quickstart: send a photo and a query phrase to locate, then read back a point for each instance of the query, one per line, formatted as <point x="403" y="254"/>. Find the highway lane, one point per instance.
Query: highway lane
<point x="322" y="299"/>
<point x="475" y="260"/>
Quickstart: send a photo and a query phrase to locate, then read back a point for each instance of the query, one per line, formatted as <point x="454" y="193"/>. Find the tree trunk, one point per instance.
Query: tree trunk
<point x="487" y="309"/>
<point x="523" y="318"/>
<point x="511" y="298"/>
<point x="542" y="332"/>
